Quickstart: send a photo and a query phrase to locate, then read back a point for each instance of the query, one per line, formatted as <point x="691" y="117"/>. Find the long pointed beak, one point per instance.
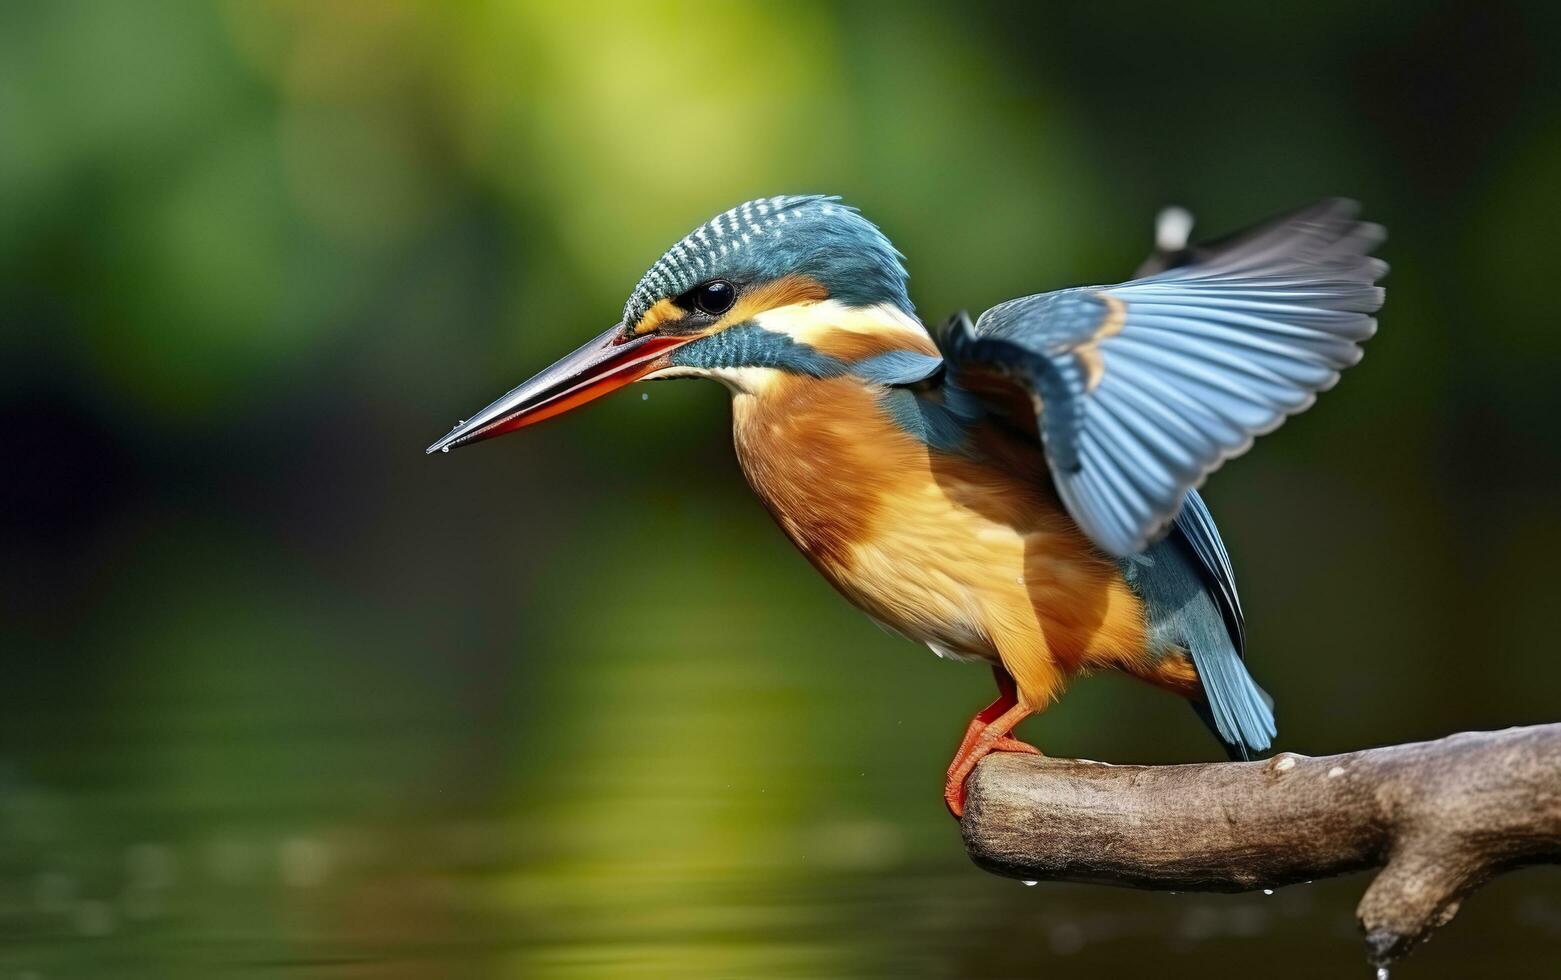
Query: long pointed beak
<point x="603" y="365"/>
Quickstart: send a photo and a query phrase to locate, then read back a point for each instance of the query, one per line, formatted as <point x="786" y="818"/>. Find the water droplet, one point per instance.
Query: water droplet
<point x="1268" y="891"/>
<point x="1382" y="973"/>
<point x="645" y="396"/>
<point x="445" y="449"/>
<point x="1031" y="884"/>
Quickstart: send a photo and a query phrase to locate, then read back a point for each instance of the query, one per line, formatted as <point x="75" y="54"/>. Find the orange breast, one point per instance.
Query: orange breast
<point x="972" y="556"/>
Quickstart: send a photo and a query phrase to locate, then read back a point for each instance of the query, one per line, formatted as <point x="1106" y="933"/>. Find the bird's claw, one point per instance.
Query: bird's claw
<point x="965" y="764"/>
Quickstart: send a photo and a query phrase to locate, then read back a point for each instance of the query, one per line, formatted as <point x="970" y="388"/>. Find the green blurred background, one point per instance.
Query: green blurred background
<point x="283" y="696"/>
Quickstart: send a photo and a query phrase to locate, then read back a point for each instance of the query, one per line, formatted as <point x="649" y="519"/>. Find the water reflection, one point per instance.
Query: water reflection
<point x="284" y="697"/>
<point x="630" y="888"/>
<point x="679" y="789"/>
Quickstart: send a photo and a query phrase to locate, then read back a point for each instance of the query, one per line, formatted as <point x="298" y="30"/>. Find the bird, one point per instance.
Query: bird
<point x="1019" y="490"/>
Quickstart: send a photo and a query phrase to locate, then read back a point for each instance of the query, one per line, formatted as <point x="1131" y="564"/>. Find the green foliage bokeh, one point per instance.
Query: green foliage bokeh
<point x="284" y="693"/>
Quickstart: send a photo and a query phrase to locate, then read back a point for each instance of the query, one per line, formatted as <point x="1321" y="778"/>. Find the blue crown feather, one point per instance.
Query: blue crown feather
<point x="797" y="234"/>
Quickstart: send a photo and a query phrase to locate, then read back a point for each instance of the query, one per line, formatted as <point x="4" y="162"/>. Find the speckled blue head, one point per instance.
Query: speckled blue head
<point x="783" y="286"/>
<point x="807" y="235"/>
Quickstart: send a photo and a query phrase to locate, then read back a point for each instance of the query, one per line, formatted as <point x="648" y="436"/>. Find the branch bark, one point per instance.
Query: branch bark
<point x="1440" y="818"/>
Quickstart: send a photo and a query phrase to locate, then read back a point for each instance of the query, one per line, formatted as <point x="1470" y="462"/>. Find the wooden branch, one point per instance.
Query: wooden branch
<point x="1440" y="818"/>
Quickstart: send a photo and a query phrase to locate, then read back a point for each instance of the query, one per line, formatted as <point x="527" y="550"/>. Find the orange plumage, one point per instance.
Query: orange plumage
<point x="1021" y="493"/>
<point x="974" y="558"/>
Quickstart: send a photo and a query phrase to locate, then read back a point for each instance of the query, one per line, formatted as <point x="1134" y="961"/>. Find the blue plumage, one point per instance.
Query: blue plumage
<point x="1190" y="601"/>
<point x="932" y="423"/>
<point x="1134" y="393"/>
<point x="1141" y="389"/>
<point x="1196" y="525"/>
<point x="810" y="235"/>
<point x="900" y="367"/>
<point x="940" y="425"/>
<point x="1150" y="385"/>
<point x="750" y="345"/>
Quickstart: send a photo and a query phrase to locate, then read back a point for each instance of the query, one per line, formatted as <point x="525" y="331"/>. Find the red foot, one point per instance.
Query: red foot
<point x="988" y="733"/>
<point x="954" y="788"/>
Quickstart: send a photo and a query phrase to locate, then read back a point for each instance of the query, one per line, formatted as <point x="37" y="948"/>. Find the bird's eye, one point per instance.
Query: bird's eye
<point x="714" y="297"/>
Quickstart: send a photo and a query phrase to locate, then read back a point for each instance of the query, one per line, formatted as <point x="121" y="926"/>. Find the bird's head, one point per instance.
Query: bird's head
<point x="746" y="293"/>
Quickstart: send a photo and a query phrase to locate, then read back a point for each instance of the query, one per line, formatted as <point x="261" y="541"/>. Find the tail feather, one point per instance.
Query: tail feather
<point x="1190" y="604"/>
<point x="1239" y="712"/>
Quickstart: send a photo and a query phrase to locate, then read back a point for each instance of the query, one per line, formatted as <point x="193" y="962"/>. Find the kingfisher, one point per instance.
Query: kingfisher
<point x="1019" y="490"/>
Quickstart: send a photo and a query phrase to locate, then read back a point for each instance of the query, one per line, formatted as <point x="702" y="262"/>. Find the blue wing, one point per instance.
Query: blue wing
<point x="1142" y="389"/>
<point x="1196" y="526"/>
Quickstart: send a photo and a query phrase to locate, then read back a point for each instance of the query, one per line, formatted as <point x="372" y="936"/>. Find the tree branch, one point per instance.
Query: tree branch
<point x="1440" y="818"/>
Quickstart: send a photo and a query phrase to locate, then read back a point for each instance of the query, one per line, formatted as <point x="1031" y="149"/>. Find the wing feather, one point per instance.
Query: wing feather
<point x="1196" y="524"/>
<point x="1144" y="388"/>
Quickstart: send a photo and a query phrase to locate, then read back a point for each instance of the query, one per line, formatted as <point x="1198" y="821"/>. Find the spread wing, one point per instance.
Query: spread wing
<point x="1144" y="388"/>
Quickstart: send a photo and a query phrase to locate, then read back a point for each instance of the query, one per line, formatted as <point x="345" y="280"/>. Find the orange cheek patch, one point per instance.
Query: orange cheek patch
<point x="856" y="345"/>
<point x="785" y="291"/>
<point x="658" y="316"/>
